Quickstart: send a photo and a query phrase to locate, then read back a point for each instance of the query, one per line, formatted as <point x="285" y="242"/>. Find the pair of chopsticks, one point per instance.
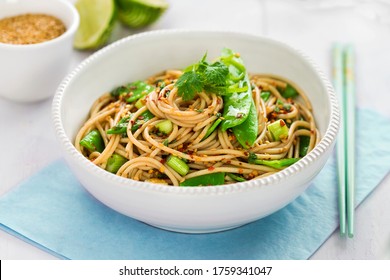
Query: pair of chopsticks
<point x="344" y="84"/>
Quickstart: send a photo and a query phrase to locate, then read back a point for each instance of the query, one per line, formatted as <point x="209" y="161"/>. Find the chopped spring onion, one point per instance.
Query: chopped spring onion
<point x="115" y="162"/>
<point x="165" y="126"/>
<point x="278" y="130"/>
<point x="140" y="102"/>
<point x="178" y="165"/>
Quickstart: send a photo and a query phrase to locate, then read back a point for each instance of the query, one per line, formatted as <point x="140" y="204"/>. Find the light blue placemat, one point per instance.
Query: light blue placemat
<point x="52" y="211"/>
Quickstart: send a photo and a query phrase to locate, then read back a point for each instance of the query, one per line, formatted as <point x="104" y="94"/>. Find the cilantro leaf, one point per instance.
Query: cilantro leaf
<point x="189" y="84"/>
<point x="216" y="74"/>
<point x="203" y="76"/>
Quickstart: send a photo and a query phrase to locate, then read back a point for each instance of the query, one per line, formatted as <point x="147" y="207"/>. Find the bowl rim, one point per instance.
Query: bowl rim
<point x="70" y="30"/>
<point x="321" y="148"/>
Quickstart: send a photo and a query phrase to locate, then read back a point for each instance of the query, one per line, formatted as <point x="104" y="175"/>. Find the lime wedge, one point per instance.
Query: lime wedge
<point x="140" y="13"/>
<point x="97" y="19"/>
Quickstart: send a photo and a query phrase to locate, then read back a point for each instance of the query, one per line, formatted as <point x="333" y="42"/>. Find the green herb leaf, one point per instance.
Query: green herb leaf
<point x="203" y="76"/>
<point x="189" y="84"/>
<point x="215" y="74"/>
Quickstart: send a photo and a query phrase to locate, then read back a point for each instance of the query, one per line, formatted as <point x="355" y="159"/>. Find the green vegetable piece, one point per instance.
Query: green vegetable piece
<point x="304" y="142"/>
<point x="120" y="127"/>
<point x="165" y="126"/>
<point x="246" y="132"/>
<point x="213" y="179"/>
<point x="93" y="141"/>
<point x="137" y="90"/>
<point x="277" y="163"/>
<point x="278" y="130"/>
<point x="119" y="91"/>
<point x="265" y="95"/>
<point x="202" y="76"/>
<point x="178" y="165"/>
<point x="237" y="88"/>
<point x="114" y="162"/>
<point x="143" y="118"/>
<point x="226" y="77"/>
<point x="140" y="102"/>
<point x="212" y="128"/>
<point x="237" y="104"/>
<point x="230" y="58"/>
<point x="189" y="84"/>
<point x="289" y="92"/>
<point x="236" y="177"/>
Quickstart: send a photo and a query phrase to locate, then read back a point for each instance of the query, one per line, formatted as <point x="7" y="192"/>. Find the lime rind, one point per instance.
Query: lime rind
<point x="140" y="13"/>
<point x="97" y="21"/>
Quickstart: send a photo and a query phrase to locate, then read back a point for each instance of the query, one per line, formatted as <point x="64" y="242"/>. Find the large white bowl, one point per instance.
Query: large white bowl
<point x="196" y="209"/>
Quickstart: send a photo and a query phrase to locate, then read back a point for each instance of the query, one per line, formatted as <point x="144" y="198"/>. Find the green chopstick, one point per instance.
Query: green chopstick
<point x="344" y="84"/>
<point x="338" y="82"/>
<point x="350" y="103"/>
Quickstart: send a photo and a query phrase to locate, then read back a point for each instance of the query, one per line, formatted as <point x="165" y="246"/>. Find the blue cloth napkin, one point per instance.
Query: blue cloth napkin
<point x="52" y="211"/>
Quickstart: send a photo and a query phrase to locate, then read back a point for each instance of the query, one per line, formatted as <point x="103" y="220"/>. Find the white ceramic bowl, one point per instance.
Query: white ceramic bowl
<point x="197" y="209"/>
<point x="33" y="72"/>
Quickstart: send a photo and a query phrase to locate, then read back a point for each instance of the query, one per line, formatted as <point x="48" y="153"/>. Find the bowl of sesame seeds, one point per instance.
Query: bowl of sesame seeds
<point x="36" y="41"/>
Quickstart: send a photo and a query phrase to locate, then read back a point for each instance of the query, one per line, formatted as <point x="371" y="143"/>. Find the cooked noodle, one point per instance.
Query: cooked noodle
<point x="146" y="151"/>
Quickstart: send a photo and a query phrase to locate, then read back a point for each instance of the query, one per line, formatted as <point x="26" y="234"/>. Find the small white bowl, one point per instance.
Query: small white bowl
<point x="196" y="209"/>
<point x="33" y="72"/>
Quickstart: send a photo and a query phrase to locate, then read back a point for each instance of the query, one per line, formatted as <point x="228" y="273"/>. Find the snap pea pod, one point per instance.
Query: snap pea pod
<point x="237" y="103"/>
<point x="275" y="163"/>
<point x="143" y="118"/>
<point x="213" y="179"/>
<point x="134" y="91"/>
<point x="304" y="142"/>
<point x="213" y="127"/>
<point x="246" y="133"/>
<point x="236" y="177"/>
<point x="93" y="141"/>
<point x="121" y="126"/>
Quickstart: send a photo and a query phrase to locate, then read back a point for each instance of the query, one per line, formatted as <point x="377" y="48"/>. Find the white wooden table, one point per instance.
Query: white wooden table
<point x="33" y="145"/>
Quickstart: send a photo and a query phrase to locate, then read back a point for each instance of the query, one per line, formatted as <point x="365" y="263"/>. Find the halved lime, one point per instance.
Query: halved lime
<point x="97" y="20"/>
<point x="140" y="13"/>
